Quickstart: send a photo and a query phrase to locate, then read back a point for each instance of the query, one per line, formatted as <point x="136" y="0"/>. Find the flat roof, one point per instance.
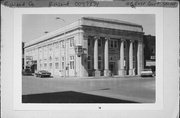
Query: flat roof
<point x="77" y="24"/>
<point x="112" y="21"/>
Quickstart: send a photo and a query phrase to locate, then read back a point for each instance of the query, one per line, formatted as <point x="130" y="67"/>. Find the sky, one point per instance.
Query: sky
<point x="35" y="25"/>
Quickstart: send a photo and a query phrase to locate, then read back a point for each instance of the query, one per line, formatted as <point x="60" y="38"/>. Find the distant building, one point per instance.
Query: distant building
<point x="89" y="47"/>
<point x="23" y="55"/>
<point x="149" y="51"/>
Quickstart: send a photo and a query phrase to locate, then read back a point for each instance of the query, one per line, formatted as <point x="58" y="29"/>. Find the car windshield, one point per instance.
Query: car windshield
<point x="147" y="70"/>
<point x="44" y="71"/>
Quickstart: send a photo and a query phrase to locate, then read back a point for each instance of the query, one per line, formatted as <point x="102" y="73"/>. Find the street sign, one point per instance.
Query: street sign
<point x="79" y="50"/>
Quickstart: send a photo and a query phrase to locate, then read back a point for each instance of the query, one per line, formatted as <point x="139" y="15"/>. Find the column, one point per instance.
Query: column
<point x="97" y="72"/>
<point x="106" y="58"/>
<point x="131" y="58"/>
<point x="121" y="66"/>
<point x="140" y="57"/>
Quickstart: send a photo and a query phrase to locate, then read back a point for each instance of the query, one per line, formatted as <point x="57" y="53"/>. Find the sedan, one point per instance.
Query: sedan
<point x="43" y="73"/>
<point x="146" y="73"/>
<point x="26" y="72"/>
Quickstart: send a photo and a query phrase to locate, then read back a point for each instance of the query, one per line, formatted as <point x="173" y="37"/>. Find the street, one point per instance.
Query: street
<point x="88" y="90"/>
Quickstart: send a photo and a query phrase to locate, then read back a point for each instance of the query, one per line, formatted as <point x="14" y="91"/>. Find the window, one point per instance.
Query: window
<point x="62" y="65"/>
<point x="71" y="57"/>
<point x="71" y="42"/>
<point x="45" y="65"/>
<point x="50" y="49"/>
<point x="89" y="58"/>
<point x="56" y="65"/>
<point x="89" y="62"/>
<point x="56" y="58"/>
<point x="63" y="44"/>
<point x="50" y="58"/>
<point x="90" y="38"/>
<point x="111" y="58"/>
<point x="50" y="65"/>
<point x="57" y="46"/>
<point x="99" y="62"/>
<point x="71" y="62"/>
<point x="99" y="58"/>
<point x="99" y="42"/>
<point x="111" y="44"/>
<point x="62" y="58"/>
<point x="63" y="62"/>
<point x="115" y="44"/>
<point x="89" y="42"/>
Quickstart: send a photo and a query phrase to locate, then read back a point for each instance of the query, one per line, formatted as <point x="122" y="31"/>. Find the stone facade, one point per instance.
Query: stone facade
<point x="108" y="47"/>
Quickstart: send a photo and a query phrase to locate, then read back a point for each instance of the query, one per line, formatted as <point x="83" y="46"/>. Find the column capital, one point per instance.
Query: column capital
<point x="140" y="41"/>
<point x="107" y="37"/>
<point x="132" y="40"/>
<point x="96" y="37"/>
<point x="123" y="40"/>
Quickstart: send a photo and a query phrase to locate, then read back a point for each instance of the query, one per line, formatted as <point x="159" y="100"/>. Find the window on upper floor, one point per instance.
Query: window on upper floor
<point x="71" y="42"/>
<point x="113" y="43"/>
<point x="63" y="44"/>
<point x="56" y="65"/>
<point x="50" y="65"/>
<point x="90" y="38"/>
<point x="89" y="42"/>
<point x="62" y="65"/>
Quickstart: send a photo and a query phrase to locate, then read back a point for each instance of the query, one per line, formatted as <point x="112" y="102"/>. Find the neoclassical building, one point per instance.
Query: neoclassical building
<point x="89" y="47"/>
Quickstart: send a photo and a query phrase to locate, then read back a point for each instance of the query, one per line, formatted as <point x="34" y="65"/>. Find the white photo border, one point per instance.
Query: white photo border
<point x="17" y="81"/>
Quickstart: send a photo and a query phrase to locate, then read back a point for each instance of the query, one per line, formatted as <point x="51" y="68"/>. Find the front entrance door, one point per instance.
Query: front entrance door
<point x="112" y="67"/>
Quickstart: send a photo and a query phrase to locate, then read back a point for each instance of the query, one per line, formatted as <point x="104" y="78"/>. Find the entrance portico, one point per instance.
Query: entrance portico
<point x="128" y="60"/>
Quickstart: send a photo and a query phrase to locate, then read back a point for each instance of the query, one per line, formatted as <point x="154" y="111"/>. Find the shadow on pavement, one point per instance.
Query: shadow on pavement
<point x="69" y="97"/>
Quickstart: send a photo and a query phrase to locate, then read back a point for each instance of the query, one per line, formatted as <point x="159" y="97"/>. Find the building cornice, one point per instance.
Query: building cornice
<point x="78" y="25"/>
<point x="112" y="21"/>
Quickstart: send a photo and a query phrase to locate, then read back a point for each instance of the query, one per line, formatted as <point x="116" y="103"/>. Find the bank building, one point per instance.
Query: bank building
<point x="89" y="47"/>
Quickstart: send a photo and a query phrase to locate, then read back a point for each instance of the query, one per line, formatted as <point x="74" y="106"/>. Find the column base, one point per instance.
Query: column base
<point x="130" y="71"/>
<point x="121" y="72"/>
<point x="106" y="73"/>
<point x="97" y="73"/>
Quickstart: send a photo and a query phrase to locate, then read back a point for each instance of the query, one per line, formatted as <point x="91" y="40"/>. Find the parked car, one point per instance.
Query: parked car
<point x="43" y="73"/>
<point x="146" y="73"/>
<point x="27" y="71"/>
